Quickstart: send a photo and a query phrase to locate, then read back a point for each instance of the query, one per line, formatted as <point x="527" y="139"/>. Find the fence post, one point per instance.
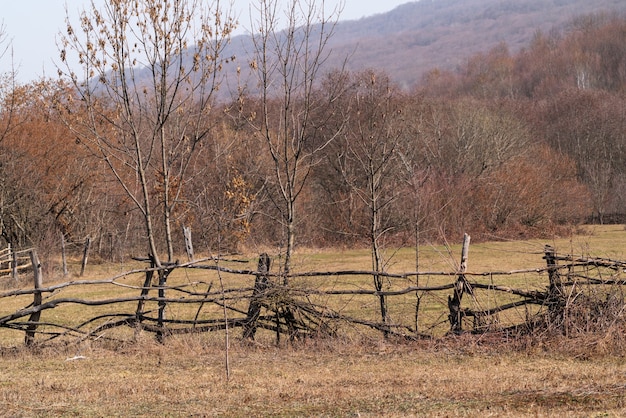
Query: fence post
<point x="85" y="256"/>
<point x="37" y="299"/>
<point x="13" y="263"/>
<point x="260" y="286"/>
<point x="188" y="243"/>
<point x="461" y="286"/>
<point x="553" y="272"/>
<point x="555" y="288"/>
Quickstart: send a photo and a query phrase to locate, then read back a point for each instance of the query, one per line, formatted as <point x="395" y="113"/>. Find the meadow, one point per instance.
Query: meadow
<point x="354" y="374"/>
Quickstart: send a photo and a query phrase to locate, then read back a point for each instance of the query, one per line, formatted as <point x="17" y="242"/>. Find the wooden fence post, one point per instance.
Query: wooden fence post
<point x="553" y="272"/>
<point x="555" y="288"/>
<point x="13" y="263"/>
<point x="260" y="286"/>
<point x="85" y="256"/>
<point x="188" y="243"/>
<point x="454" y="303"/>
<point x="37" y="299"/>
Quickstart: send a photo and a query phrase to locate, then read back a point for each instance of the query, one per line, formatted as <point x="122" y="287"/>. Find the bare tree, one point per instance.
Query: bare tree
<point x="287" y="65"/>
<point x="12" y="228"/>
<point x="150" y="72"/>
<point x="374" y="145"/>
<point x="7" y="88"/>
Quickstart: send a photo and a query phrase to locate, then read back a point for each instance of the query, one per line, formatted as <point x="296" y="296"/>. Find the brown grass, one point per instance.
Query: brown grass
<point x="186" y="377"/>
<point x="582" y="373"/>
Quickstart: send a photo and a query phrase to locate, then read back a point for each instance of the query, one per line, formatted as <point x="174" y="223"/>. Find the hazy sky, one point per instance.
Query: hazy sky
<point x="33" y="25"/>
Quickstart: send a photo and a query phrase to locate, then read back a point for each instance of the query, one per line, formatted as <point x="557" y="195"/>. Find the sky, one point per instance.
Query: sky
<point x="33" y="27"/>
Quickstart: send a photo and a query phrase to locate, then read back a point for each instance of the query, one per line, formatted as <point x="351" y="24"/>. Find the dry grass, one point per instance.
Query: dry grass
<point x="581" y="374"/>
<point x="186" y="378"/>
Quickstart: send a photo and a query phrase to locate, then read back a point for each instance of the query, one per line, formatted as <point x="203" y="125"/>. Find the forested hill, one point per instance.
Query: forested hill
<point x="419" y="36"/>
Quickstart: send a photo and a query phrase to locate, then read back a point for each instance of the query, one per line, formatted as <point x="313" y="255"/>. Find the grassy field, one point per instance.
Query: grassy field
<point x="355" y="375"/>
<point x="187" y="378"/>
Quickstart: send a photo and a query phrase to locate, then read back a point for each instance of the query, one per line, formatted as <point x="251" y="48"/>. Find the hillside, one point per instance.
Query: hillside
<point x="418" y="36"/>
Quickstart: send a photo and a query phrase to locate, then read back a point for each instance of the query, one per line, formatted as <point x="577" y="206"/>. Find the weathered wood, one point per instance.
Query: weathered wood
<point x="206" y="294"/>
<point x="188" y="243"/>
<point x="51" y="304"/>
<point x="260" y="287"/>
<point x="18" y="268"/>
<point x="14" y="262"/>
<point x="307" y="319"/>
<point x="6" y="250"/>
<point x="553" y="272"/>
<point x="528" y="294"/>
<point x="555" y="298"/>
<point x="454" y="303"/>
<point x="464" y="253"/>
<point x="497" y="309"/>
<point x="85" y="256"/>
<point x="37" y="299"/>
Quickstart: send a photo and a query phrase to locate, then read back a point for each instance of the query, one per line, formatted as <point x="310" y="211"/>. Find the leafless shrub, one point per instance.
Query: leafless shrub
<point x="593" y="322"/>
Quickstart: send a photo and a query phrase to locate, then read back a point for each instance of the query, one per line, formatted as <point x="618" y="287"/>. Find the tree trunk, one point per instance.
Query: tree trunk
<point x="144" y="292"/>
<point x="290" y="244"/>
<point x="162" y="305"/>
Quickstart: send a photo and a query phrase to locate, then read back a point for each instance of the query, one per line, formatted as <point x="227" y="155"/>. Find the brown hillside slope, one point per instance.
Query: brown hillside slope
<point x="419" y="36"/>
<point x="415" y="37"/>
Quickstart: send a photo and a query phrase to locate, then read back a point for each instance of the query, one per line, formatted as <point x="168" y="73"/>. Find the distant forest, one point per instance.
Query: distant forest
<point x="528" y="143"/>
<point x="417" y="36"/>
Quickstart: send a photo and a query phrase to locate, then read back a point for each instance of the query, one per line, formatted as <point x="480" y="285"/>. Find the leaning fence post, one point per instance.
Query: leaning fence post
<point x="37" y="299"/>
<point x="260" y="286"/>
<point x="454" y="303"/>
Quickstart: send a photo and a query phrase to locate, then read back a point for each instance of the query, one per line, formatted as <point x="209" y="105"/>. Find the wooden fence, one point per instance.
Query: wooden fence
<point x="12" y="263"/>
<point x="212" y="295"/>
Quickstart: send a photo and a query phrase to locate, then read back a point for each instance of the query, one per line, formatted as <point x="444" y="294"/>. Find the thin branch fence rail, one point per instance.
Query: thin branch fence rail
<point x="13" y="262"/>
<point x="308" y="309"/>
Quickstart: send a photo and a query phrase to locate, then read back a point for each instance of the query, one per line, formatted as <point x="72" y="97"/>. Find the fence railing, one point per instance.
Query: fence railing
<point x="208" y="295"/>
<point x="13" y="262"/>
